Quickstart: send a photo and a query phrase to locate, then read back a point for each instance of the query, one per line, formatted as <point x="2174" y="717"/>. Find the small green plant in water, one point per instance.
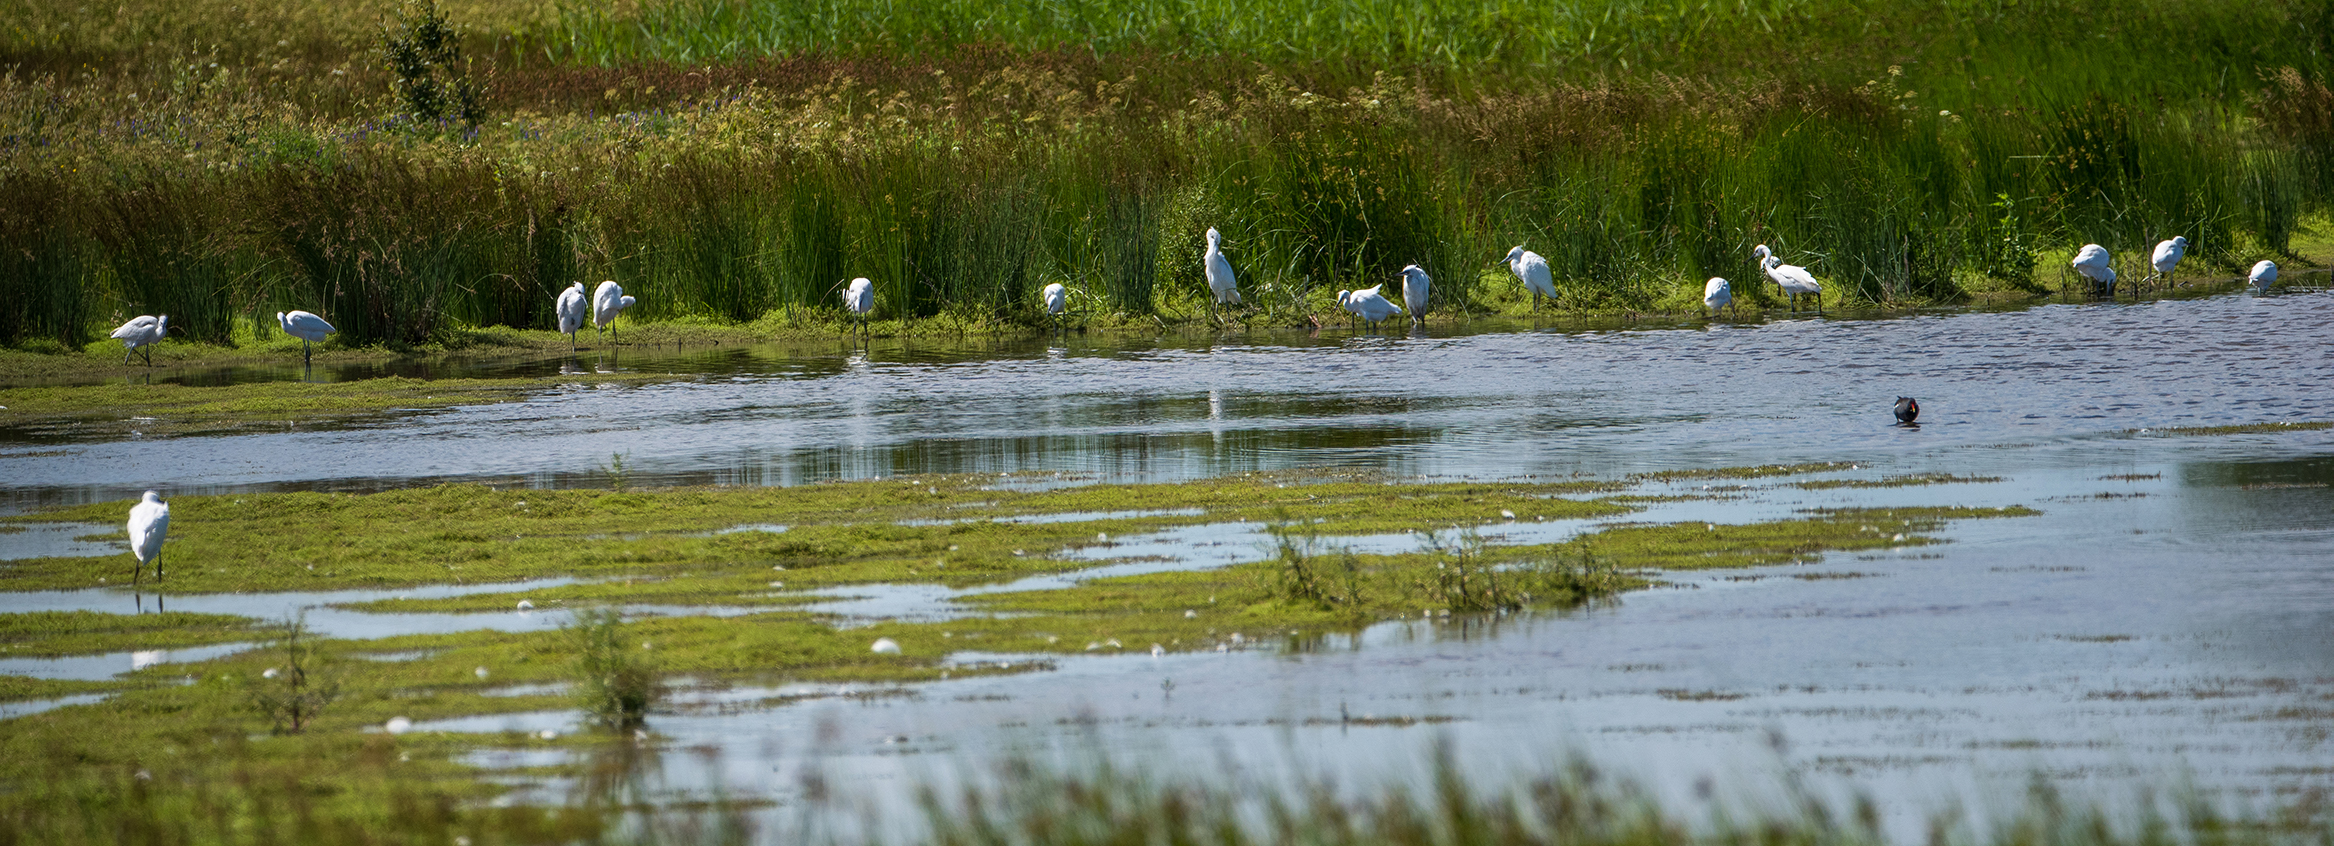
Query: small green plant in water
<point x="615" y="683"/>
<point x="618" y="477"/>
<point x="292" y="694"/>
<point x="1464" y="579"/>
<point x="1309" y="575"/>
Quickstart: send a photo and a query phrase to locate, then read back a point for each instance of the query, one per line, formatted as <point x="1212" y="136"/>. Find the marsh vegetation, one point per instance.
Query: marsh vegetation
<point x="415" y="171"/>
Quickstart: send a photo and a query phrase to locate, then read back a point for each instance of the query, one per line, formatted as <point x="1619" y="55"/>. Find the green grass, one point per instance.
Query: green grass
<point x="54" y="633"/>
<point x="734" y="163"/>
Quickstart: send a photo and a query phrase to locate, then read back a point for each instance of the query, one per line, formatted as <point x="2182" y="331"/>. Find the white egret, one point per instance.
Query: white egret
<point x="1368" y="304"/>
<point x="608" y="300"/>
<point x="2263" y="276"/>
<point x="1716" y="294"/>
<point x="571" y="313"/>
<point x="1533" y="270"/>
<point x="144" y="330"/>
<point x="149" y="523"/>
<point x="2167" y="258"/>
<point x="1415" y="286"/>
<point x="305" y="326"/>
<point x="1219" y="271"/>
<point x="1907" y="409"/>
<point x="1792" y="278"/>
<point x="1057" y="300"/>
<point x="2093" y="262"/>
<point x="859" y="298"/>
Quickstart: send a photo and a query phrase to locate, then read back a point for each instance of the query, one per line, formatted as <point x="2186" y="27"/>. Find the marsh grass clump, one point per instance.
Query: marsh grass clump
<point x="423" y="52"/>
<point x="303" y="682"/>
<point x="1309" y="575"/>
<point x="1466" y="578"/>
<point x="615" y="680"/>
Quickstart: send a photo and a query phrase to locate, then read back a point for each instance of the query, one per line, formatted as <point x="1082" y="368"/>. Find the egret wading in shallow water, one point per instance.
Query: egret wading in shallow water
<point x="1057" y="300"/>
<point x="1219" y="271"/>
<point x="2263" y="276"/>
<point x="571" y="313"/>
<point x="859" y="298"/>
<point x="1907" y="410"/>
<point x="2167" y="259"/>
<point x="1793" y="279"/>
<point x="1533" y="270"/>
<point x="149" y="522"/>
<point x="608" y="300"/>
<point x="2094" y="264"/>
<point x="1716" y="294"/>
<point x="144" y="330"/>
<point x="1368" y="304"/>
<point x="1415" y="288"/>
<point x="307" y="327"/>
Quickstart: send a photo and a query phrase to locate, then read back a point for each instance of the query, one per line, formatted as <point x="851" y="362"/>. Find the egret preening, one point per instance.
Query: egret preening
<point x="1907" y="409"/>
<point x="144" y="330"/>
<point x="859" y="298"/>
<point x="1057" y="300"/>
<point x="1219" y="271"/>
<point x="305" y="326"/>
<point x="1415" y="287"/>
<point x="1368" y="304"/>
<point x="608" y="300"/>
<point x="1792" y="278"/>
<point x="1716" y="294"/>
<point x="149" y="522"/>
<point x="1533" y="270"/>
<point x="571" y="313"/>
<point x="2167" y="258"/>
<point x="2093" y="262"/>
<point x="2263" y="276"/>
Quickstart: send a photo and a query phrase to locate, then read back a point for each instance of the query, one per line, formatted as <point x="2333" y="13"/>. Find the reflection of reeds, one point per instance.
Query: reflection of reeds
<point x="963" y="180"/>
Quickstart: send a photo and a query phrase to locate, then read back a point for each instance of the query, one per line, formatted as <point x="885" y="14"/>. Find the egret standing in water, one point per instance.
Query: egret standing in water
<point x="1415" y="288"/>
<point x="2094" y="264"/>
<point x="307" y="327"/>
<point x="2167" y="259"/>
<point x="1368" y="304"/>
<point x="1219" y="271"/>
<point x="1792" y="278"/>
<point x="149" y="522"/>
<point x="608" y="300"/>
<point x="859" y="298"/>
<point x="2264" y="276"/>
<point x="1057" y="300"/>
<point x="1533" y="270"/>
<point x="571" y="313"/>
<point x="1716" y="294"/>
<point x="144" y="330"/>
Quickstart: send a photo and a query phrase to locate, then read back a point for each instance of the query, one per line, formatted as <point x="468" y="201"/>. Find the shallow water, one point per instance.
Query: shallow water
<point x="2143" y="631"/>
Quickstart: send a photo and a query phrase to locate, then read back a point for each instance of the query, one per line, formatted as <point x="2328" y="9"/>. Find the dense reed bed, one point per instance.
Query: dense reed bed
<point x="735" y="162"/>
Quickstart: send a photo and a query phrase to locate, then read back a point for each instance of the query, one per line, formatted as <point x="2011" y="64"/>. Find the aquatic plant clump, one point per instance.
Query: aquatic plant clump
<point x="616" y="680"/>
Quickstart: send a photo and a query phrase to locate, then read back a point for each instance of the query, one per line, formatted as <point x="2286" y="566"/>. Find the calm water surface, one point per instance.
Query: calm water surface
<point x="2169" y="620"/>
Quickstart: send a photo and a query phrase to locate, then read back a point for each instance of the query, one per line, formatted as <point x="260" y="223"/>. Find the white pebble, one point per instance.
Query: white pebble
<point x="1190" y="614"/>
<point x="526" y="605"/>
<point x="398" y="725"/>
<point x="886" y="646"/>
<point x="481" y="672"/>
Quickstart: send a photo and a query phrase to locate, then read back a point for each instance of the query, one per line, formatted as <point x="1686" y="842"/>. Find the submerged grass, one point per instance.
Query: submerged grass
<point x="2238" y="429"/>
<point x="198" y="757"/>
